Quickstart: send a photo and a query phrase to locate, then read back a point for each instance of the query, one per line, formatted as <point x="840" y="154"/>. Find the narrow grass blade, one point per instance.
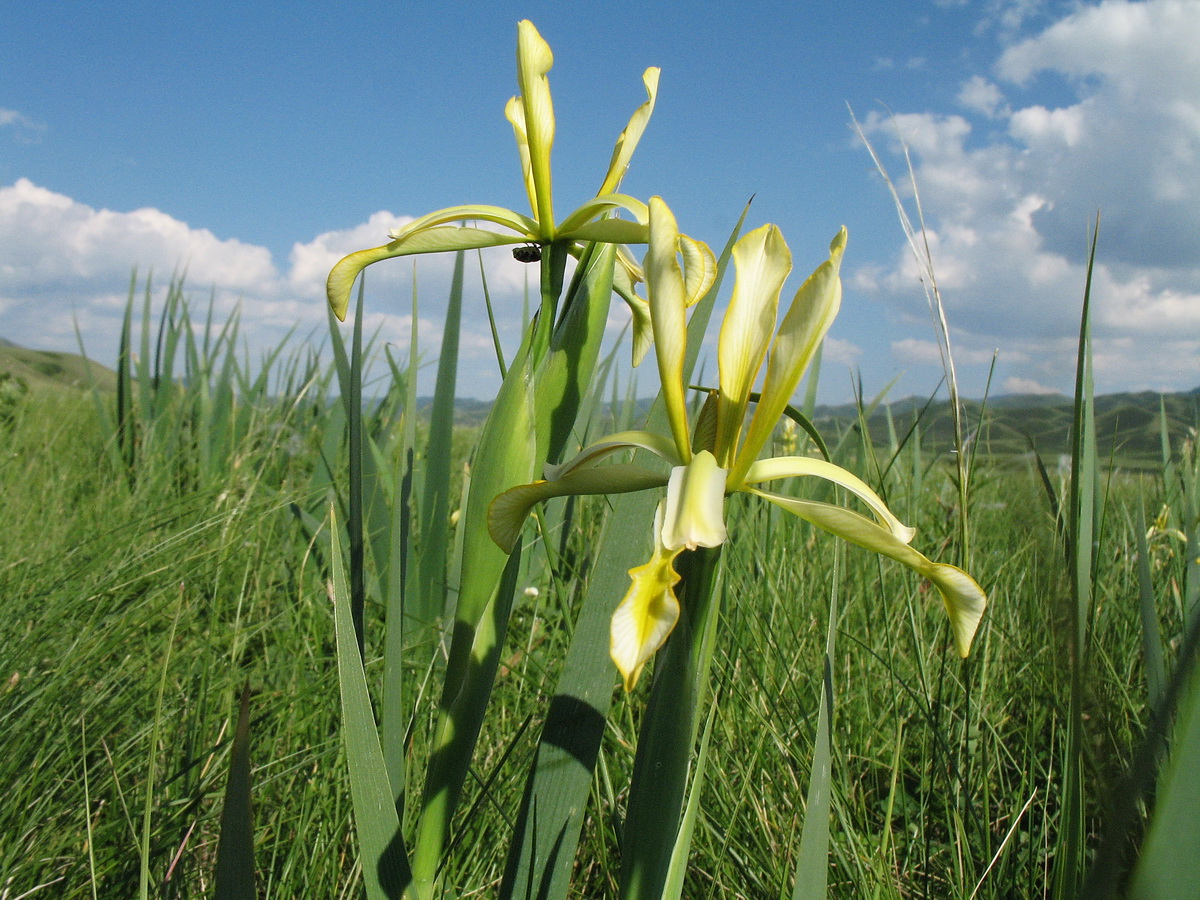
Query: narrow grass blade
<point x="380" y="844"/>
<point x="812" y="862"/>
<point x="235" y="847"/>
<point x="677" y="872"/>
<point x="1081" y="518"/>
<point x="1156" y="673"/>
<point x="435" y="504"/>
<point x="1169" y="867"/>
<point x="152" y="760"/>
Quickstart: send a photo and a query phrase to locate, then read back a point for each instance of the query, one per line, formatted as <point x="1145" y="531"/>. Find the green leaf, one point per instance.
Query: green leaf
<point x="380" y="844"/>
<point x="235" y="846"/>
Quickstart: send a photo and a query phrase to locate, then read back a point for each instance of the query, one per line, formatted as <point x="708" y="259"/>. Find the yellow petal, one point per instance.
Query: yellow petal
<point x="694" y="514"/>
<point x="507" y="512"/>
<point x="515" y="113"/>
<point x="762" y="260"/>
<point x="606" y="203"/>
<point x="668" y="316"/>
<point x="800" y="466"/>
<point x="699" y="269"/>
<point x="629" y="138"/>
<point x="431" y="240"/>
<point x="524" y="226"/>
<point x="643" y="330"/>
<point x="962" y="596"/>
<point x="647" y="614"/>
<point x="623" y="440"/>
<point x="804" y="326"/>
<point x="534" y="61"/>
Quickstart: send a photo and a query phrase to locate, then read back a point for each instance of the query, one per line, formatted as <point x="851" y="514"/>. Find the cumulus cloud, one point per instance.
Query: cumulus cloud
<point x="1010" y="207"/>
<point x="65" y="265"/>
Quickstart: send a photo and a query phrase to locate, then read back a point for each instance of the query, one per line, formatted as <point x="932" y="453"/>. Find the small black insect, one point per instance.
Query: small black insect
<point x="527" y="253"/>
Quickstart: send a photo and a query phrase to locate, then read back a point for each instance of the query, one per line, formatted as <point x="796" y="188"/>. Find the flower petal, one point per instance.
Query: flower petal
<point x="800" y="466"/>
<point x="507" y="512"/>
<point x="534" y="60"/>
<point x="668" y="315"/>
<point x="962" y="596"/>
<point x="699" y="269"/>
<point x="643" y="330"/>
<point x="648" y="613"/>
<point x="804" y="326"/>
<point x="526" y="227"/>
<point x="628" y="140"/>
<point x="694" y="514"/>
<point x="762" y="260"/>
<point x="601" y="204"/>
<point x="432" y="240"/>
<point x="623" y="440"/>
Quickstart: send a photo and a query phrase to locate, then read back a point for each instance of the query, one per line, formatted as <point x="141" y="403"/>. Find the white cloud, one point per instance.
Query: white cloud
<point x="1010" y="210"/>
<point x="24" y="129"/>
<point x="64" y="264"/>
<point x="1017" y="385"/>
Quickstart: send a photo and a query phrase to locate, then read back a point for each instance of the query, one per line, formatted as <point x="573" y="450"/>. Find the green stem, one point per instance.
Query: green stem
<point x="660" y="769"/>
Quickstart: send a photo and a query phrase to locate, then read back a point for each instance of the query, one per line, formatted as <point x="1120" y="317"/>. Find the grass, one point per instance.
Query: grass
<point x="195" y="577"/>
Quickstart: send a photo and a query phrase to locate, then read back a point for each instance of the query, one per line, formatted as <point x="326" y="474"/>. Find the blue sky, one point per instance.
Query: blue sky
<point x="256" y="143"/>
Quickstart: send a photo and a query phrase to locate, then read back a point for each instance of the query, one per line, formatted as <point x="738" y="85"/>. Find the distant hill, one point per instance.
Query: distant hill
<point x="1127" y="425"/>
<point x="48" y="370"/>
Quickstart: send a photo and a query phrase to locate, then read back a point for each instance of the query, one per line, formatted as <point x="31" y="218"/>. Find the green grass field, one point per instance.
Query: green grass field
<point x="149" y="573"/>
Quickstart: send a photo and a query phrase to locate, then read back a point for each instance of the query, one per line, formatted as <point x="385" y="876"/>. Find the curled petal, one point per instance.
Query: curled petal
<point x="605" y="203"/>
<point x="431" y="240"/>
<point x="524" y="226"/>
<point x="962" y="596"/>
<point x="798" y="466"/>
<point x="648" y="613"/>
<point x="629" y="138"/>
<point x="507" y="512"/>
<point x="699" y="269"/>
<point x="643" y="330"/>
<point x="694" y="514"/>
<point x="623" y="440"/>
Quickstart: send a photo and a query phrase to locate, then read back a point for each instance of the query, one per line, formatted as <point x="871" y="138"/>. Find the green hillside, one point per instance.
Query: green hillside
<point x="1128" y="426"/>
<point x="48" y="370"/>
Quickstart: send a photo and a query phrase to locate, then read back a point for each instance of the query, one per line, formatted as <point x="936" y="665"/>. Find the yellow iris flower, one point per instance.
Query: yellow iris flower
<point x="532" y="117"/>
<point x="719" y="456"/>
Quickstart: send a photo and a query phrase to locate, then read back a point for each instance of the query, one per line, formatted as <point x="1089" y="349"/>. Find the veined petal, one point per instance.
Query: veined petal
<point x="668" y="315"/>
<point x="515" y="113"/>
<point x="507" y="512"/>
<point x="694" y="514"/>
<point x="432" y="240"/>
<point x="608" y="231"/>
<point x="623" y="440"/>
<point x="800" y="466"/>
<point x="534" y="61"/>
<point x="699" y="269"/>
<point x="643" y="330"/>
<point x="763" y="261"/>
<point x="962" y="596"/>
<point x="522" y="225"/>
<point x="804" y="326"/>
<point x="604" y="203"/>
<point x="628" y="140"/>
<point x="648" y="613"/>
